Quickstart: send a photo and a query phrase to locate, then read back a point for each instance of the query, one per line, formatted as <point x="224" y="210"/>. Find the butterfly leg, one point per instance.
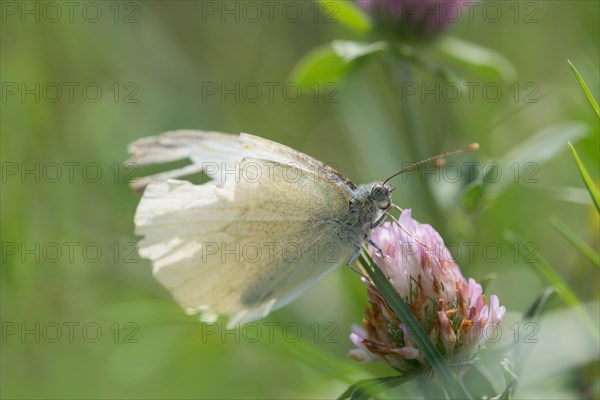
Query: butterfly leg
<point x="372" y="243"/>
<point x="379" y="220"/>
<point x="357" y="251"/>
<point x="395" y="207"/>
<point x="354" y="256"/>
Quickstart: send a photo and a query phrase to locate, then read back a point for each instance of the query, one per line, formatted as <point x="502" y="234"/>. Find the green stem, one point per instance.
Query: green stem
<point x="429" y="390"/>
<point x="416" y="142"/>
<point x="409" y="113"/>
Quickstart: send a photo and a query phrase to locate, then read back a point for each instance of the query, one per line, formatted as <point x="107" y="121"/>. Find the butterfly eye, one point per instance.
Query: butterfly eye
<point x="379" y="193"/>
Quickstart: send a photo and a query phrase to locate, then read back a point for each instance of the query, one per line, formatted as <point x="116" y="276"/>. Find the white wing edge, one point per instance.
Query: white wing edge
<point x="216" y="154"/>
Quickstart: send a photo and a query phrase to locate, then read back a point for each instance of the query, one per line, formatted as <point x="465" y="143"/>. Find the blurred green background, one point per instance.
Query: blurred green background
<point x="69" y="266"/>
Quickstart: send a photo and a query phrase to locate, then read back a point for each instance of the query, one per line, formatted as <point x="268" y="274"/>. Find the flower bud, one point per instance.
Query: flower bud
<point x="417" y="18"/>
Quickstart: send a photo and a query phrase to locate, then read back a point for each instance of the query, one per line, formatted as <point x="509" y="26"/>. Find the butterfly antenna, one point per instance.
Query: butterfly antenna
<point x="471" y="147"/>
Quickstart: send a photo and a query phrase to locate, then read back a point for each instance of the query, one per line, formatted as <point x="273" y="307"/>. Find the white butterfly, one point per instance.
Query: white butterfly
<point x="270" y="223"/>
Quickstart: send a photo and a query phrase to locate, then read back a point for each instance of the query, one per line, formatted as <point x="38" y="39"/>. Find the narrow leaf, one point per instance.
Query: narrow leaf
<point x="533" y="258"/>
<point x="477" y="57"/>
<point x="408" y="54"/>
<point x="346" y="13"/>
<point x="521" y="164"/>
<point x="486" y="280"/>
<point x="369" y="388"/>
<point x="511" y="369"/>
<point x="562" y="328"/>
<point x="548" y="273"/>
<point x="586" y="178"/>
<point x="511" y="381"/>
<point x="576" y="241"/>
<point x="538" y="149"/>
<point x="535" y="309"/>
<point x="523" y="348"/>
<point x="310" y="354"/>
<point x="585" y="88"/>
<point x="349" y="51"/>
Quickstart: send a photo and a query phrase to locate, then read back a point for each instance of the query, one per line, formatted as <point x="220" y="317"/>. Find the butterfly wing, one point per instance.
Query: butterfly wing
<point x="246" y="246"/>
<point x="217" y="154"/>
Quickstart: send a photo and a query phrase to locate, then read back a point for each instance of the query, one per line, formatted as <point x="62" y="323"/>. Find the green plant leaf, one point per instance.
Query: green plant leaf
<point x="477" y="57"/>
<point x="473" y="196"/>
<point x="369" y="388"/>
<point x="486" y="280"/>
<point x="478" y="382"/>
<point x="321" y="65"/>
<point x="534" y="311"/>
<point x="346" y="13"/>
<point x="521" y="164"/>
<point x="533" y="258"/>
<point x="585" y="89"/>
<point x="511" y="380"/>
<point x="402" y="311"/>
<point x="576" y="241"/>
<point x="538" y="149"/>
<point x="309" y="353"/>
<point x="349" y="50"/>
<point x="545" y="270"/>
<point x="511" y="369"/>
<point x="331" y="62"/>
<point x="586" y="178"/>
<point x="407" y="53"/>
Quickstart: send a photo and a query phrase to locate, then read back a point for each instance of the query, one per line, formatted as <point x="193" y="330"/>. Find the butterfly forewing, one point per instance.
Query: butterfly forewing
<point x="247" y="245"/>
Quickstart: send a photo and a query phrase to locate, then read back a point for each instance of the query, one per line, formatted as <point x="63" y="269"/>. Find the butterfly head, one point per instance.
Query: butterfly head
<point x="381" y="195"/>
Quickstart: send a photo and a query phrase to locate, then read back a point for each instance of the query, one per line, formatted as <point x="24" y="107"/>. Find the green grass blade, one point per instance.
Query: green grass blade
<point x="402" y="311"/>
<point x="576" y="241"/>
<point x="313" y="356"/>
<point x="548" y="273"/>
<point x="586" y="178"/>
<point x="535" y="309"/>
<point x="522" y="349"/>
<point x="535" y="151"/>
<point x="512" y="368"/>
<point x="585" y="89"/>
<point x="368" y="388"/>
